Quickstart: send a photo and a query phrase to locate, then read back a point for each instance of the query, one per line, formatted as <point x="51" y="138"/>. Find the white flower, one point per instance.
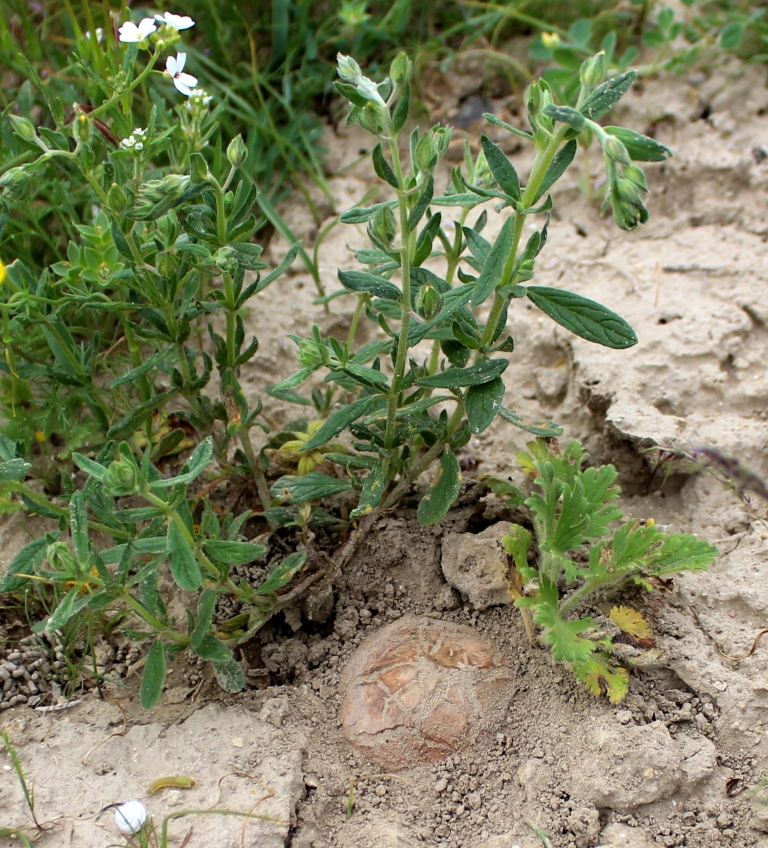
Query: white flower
<point x="183" y="82"/>
<point x="132" y="34"/>
<point x="175" y="21"/>
<point x="135" y="140"/>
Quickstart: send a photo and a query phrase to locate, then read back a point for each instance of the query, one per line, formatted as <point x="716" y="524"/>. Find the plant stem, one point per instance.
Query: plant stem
<point x="541" y="164"/>
<point x="258" y="472"/>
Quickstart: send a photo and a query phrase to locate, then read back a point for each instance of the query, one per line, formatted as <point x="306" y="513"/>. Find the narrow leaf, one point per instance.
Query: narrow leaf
<point x="195" y="466"/>
<point x="482" y="403"/>
<point x="640" y="147"/>
<point x="283" y="573"/>
<point x="383" y="168"/>
<point x="502" y="169"/>
<point x="607" y="95"/>
<point x="584" y="317"/>
<point x="233" y="553"/>
<point x="230" y="675"/>
<point x="558" y="167"/>
<point x="373" y="490"/>
<point x="340" y="420"/>
<point x="205" y="608"/>
<point x="153" y="679"/>
<point x="452" y="378"/>
<point x="442" y="491"/>
<point x="362" y="281"/>
<point x="490" y="276"/>
<point x="184" y="565"/>
<point x="78" y="526"/>
<point x="310" y="487"/>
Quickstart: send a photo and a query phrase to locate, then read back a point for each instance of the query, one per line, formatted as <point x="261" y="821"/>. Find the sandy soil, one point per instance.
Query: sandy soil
<point x="671" y="765"/>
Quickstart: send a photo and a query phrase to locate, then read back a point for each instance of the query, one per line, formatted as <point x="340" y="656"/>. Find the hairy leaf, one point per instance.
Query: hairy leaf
<point x="442" y="490"/>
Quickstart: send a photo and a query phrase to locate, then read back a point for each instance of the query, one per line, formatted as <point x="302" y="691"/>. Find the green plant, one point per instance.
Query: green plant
<point x="406" y="407"/>
<point x="27" y="792"/>
<point x="578" y="558"/>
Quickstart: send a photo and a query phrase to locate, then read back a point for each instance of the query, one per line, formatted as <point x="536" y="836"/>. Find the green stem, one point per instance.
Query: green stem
<point x="231" y="318"/>
<point x="144" y="613"/>
<point x="258" y="472"/>
<point x="361" y="301"/>
<point x="406" y="246"/>
<point x="123" y="91"/>
<point x="541" y="164"/>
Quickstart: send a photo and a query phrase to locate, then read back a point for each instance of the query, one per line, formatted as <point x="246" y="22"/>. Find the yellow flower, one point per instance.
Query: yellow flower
<point x="2" y="271"/>
<point x="550" y="40"/>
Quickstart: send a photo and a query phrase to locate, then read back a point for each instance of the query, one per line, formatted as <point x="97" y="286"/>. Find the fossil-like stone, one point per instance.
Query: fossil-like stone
<point x="421" y="688"/>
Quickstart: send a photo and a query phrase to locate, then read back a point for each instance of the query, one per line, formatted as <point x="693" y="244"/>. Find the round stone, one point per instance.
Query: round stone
<point x="420" y="689"/>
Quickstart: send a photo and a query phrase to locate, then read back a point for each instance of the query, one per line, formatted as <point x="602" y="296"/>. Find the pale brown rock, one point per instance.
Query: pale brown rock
<point x="421" y="688"/>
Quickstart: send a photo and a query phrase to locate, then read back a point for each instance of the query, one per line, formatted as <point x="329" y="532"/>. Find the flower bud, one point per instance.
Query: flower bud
<point x="370" y="119"/>
<point x="237" y="152"/>
<point x="383" y="225"/>
<point x="310" y="355"/>
<point x="61" y="558"/>
<point x="400" y="70"/>
<point x="23" y="128"/>
<point x="116" y="199"/>
<point x="14" y="177"/>
<point x="123" y="476"/>
<point x="425" y="156"/>
<point x="82" y="128"/>
<point x="442" y="139"/>
<point x="429" y="302"/>
<point x="198" y="169"/>
<point x="592" y="70"/>
<point x="614" y="150"/>
<point x="348" y="69"/>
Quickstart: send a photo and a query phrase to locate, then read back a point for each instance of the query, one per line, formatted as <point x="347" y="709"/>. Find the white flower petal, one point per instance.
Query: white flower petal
<point x="175" y="21"/>
<point x="170" y="66"/>
<point x="181" y="60"/>
<point x="129" y="33"/>
<point x="185" y="83"/>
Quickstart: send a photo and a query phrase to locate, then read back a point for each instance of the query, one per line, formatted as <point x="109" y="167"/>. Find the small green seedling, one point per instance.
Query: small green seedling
<point x="579" y="558"/>
<point x="27" y="792"/>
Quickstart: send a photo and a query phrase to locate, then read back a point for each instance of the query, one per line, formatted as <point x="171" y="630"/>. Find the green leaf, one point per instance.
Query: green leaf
<point x="374" y="486"/>
<point x="586" y="318"/>
<point x="195" y="466"/>
<point x="497" y="122"/>
<point x="128" y="425"/>
<point x="541" y="429"/>
<point x="731" y="35"/>
<point x="91" y="467"/>
<point x="340" y="420"/>
<point x="233" y="553"/>
<point x="230" y="675"/>
<point x="558" y="167"/>
<point x="572" y="117"/>
<point x="148" y="365"/>
<point x="362" y="281"/>
<point x="383" y="168"/>
<point x="283" y="573"/>
<point x="400" y="114"/>
<point x="466" y="200"/>
<point x="205" y="609"/>
<point x="25" y="563"/>
<point x="502" y="169"/>
<point x="640" y="147"/>
<point x="78" y="526"/>
<point x="594" y="672"/>
<point x="311" y="487"/>
<point x="153" y="679"/>
<point x="490" y="276"/>
<point x="121" y="242"/>
<point x="452" y="378"/>
<point x="482" y="403"/>
<point x="14" y="469"/>
<point x="422" y="204"/>
<point x="567" y="645"/>
<point x="442" y="491"/>
<point x="359" y="215"/>
<point x="70" y="605"/>
<point x="212" y="648"/>
<point x="184" y="566"/>
<point x="607" y="95"/>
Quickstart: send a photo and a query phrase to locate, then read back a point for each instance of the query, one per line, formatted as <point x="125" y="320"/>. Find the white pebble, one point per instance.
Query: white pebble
<point x="130" y="817"/>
